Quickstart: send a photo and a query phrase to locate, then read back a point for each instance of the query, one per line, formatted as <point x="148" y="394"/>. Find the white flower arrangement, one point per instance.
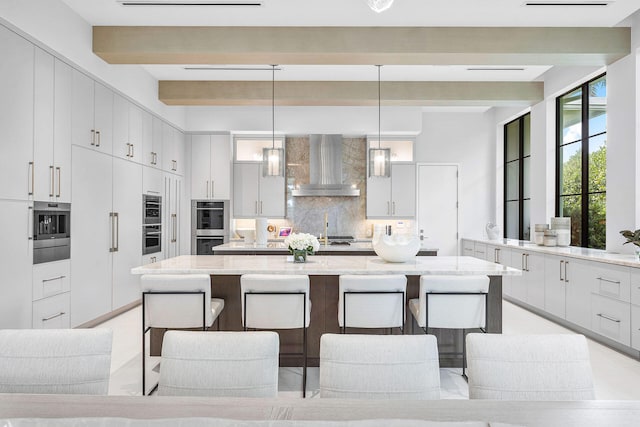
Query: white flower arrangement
<point x="302" y="242"/>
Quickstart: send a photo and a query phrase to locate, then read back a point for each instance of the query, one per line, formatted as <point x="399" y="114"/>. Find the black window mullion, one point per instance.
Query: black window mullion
<point x="521" y="178"/>
<point x="585" y="167"/>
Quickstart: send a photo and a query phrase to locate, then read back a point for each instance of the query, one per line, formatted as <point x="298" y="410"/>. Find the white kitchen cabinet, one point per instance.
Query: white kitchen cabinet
<point x="52" y="312"/>
<point x="172" y="150"/>
<point x="255" y="195"/>
<point x="210" y="167"/>
<point x="611" y="318"/>
<point x="52" y="129"/>
<point x="151" y="151"/>
<point x="16" y="117"/>
<point x="393" y="197"/>
<point x="16" y="252"/>
<point x="91" y="114"/>
<point x="467" y="247"/>
<point x="127" y="203"/>
<point x="172" y="221"/>
<point x="480" y="251"/>
<point x="127" y="130"/>
<point x="51" y="278"/>
<point x="567" y="291"/>
<point x="529" y="287"/>
<point x="152" y="181"/>
<point x="92" y="235"/>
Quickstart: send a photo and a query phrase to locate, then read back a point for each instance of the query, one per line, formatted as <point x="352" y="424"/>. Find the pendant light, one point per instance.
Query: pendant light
<point x="379" y="158"/>
<point x="273" y="158"/>
<point x="379" y="5"/>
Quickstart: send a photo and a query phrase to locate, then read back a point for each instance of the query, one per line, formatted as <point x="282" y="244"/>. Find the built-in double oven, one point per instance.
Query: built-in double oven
<point x="151" y="224"/>
<point x="209" y="225"/>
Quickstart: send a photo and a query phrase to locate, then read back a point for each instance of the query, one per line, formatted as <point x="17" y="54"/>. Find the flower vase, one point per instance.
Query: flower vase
<point x="299" y="255"/>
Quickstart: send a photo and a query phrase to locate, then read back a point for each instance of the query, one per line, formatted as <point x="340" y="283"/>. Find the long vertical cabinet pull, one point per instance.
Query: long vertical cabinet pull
<point x="522" y="263"/>
<point x="115" y="231"/>
<point x="98" y="138"/>
<point x="388" y="208"/>
<point x="393" y="210"/>
<point x="93" y="137"/>
<point x="566" y="276"/>
<point x="174" y="228"/>
<point x="527" y="261"/>
<point x="33" y="178"/>
<point x="58" y="169"/>
<point x="30" y="223"/>
<point x="207" y="189"/>
<point x="212" y="189"/>
<point x="52" y="181"/>
<point x="260" y="207"/>
<point x="561" y="264"/>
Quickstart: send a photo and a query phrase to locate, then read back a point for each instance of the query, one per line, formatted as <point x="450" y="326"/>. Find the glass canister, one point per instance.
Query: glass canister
<point x="550" y="238"/>
<point x="562" y="225"/>
<point x="538" y="234"/>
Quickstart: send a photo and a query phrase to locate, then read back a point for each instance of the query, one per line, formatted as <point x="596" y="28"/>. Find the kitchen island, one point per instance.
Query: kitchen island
<point x="324" y="271"/>
<point x="279" y="248"/>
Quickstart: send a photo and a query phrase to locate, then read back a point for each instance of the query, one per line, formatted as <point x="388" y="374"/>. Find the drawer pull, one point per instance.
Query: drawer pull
<point x="617" y="282"/>
<point x="55" y="278"/>
<point x="608" y="318"/>
<point x="62" y="313"/>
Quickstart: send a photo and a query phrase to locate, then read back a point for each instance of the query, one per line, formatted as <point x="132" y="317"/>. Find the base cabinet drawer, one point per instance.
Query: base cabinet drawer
<point x="611" y="318"/>
<point x="51" y="278"/>
<point x="612" y="281"/>
<point x="635" y="327"/>
<point x="52" y="312"/>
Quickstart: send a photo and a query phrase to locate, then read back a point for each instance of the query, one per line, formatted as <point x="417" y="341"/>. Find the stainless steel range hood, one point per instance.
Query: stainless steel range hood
<point x="325" y="169"/>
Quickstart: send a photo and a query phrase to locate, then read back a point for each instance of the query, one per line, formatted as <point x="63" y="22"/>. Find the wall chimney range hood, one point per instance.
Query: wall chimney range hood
<point x="325" y="169"/>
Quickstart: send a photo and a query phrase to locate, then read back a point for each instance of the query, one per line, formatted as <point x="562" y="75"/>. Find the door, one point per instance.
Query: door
<point x="16" y="252"/>
<point x="403" y="191"/>
<point x="16" y="116"/>
<point x="271" y="201"/>
<point x="438" y="206"/>
<point x="91" y="235"/>
<point x="378" y="197"/>
<point x="200" y="167"/>
<point x="127" y="203"/>
<point x="171" y="225"/>
<point x="103" y="117"/>
<point x="82" y="111"/>
<point x="554" y="286"/>
<point x="578" y="276"/>
<point x="534" y="279"/>
<point x="62" y="130"/>
<point x="157" y="142"/>
<point x="220" y="167"/>
<point x="245" y="189"/>
<point x="518" y="283"/>
<point x="135" y="132"/>
<point x="44" y="186"/>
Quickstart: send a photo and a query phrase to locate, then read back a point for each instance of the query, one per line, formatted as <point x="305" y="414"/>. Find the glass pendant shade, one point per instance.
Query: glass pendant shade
<point x="380" y="162"/>
<point x="272" y="162"/>
<point x="379" y="5"/>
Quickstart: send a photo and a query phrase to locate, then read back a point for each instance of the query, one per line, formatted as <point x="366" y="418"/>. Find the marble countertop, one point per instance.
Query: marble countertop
<point x="323" y="265"/>
<point x="599" y="255"/>
<point x="279" y="245"/>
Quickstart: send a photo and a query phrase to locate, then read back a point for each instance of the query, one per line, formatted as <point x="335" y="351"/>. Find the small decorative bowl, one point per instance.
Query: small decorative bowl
<point x="397" y="247"/>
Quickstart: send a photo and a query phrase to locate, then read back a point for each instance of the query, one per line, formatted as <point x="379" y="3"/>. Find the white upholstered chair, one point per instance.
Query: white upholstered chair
<point x="529" y="367"/>
<point x="177" y="301"/>
<point x="60" y="361"/>
<point x="452" y="302"/>
<point x="271" y="301"/>
<point x="371" y="301"/>
<point x="220" y="364"/>
<point x="379" y="366"/>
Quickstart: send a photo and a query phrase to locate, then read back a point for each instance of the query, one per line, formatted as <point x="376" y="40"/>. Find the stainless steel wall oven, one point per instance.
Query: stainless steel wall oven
<point x="209" y="225"/>
<point x="51" y="231"/>
<point x="151" y="224"/>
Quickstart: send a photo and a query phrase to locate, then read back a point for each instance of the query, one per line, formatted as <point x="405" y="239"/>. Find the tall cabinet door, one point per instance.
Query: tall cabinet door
<point x="127" y="203"/>
<point x="245" y="189"/>
<point x="403" y="190"/>
<point x="171" y="225"/>
<point x="83" y="131"/>
<point x="44" y="186"/>
<point x="272" y="191"/>
<point x="16" y="116"/>
<point x="221" y="167"/>
<point x="103" y="117"/>
<point x="92" y="231"/>
<point x="378" y="197"/>
<point x="201" y="167"/>
<point x="16" y="253"/>
<point x="62" y="130"/>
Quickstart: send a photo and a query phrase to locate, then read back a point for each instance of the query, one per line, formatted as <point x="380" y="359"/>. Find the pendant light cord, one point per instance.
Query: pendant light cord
<point x="379" y="108"/>
<point x="273" y="106"/>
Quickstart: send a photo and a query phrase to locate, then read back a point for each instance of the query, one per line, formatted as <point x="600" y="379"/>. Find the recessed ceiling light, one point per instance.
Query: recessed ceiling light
<point x="567" y="3"/>
<point x="231" y="68"/>
<point x="495" y="69"/>
<point x="187" y="3"/>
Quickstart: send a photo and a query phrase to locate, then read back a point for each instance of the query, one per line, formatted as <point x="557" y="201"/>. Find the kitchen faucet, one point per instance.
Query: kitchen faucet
<point x="326" y="228"/>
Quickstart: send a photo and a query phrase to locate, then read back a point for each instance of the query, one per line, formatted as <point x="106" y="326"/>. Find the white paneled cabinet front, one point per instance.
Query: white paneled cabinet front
<point x="151" y="151"/>
<point x="16" y="116"/>
<point x="255" y="195"/>
<point x="16" y="252"/>
<point x="52" y="130"/>
<point x="172" y="222"/>
<point x="91" y="114"/>
<point x="529" y="287"/>
<point x="127" y="130"/>
<point x="172" y="150"/>
<point x="127" y="203"/>
<point x="210" y="167"/>
<point x="394" y="196"/>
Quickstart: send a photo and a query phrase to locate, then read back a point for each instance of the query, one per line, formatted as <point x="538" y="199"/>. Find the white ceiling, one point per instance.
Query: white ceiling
<point x="511" y="13"/>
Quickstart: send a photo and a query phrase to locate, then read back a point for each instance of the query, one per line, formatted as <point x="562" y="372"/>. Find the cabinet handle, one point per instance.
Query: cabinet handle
<point x="129" y="150"/>
<point x="495" y="255"/>
<point x="393" y="211"/>
<point x="117" y="247"/>
<point x="212" y="182"/>
<point x="617" y="282"/>
<point x="526" y="259"/>
<point x="133" y="150"/>
<point x="175" y="228"/>
<point x="51" y="181"/>
<point x="154" y="158"/>
<point x="566" y="276"/>
<point x="93" y="137"/>
<point x="388" y="209"/>
<point x="260" y="206"/>
<point x="58" y="169"/>
<point x="30" y="223"/>
<point x="55" y="278"/>
<point x="30" y="185"/>
<point x="112" y="216"/>
<point x="207" y="196"/>
<point x="604" y="316"/>
<point x="522" y="263"/>
<point x="45" y="319"/>
<point x="98" y="138"/>
<point x="256" y="206"/>
<point x="561" y="278"/>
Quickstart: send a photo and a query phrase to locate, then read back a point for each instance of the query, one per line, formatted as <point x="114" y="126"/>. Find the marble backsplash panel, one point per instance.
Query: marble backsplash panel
<point x="346" y="214"/>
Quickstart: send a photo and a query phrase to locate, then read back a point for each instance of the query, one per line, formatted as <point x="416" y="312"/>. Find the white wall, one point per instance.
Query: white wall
<point x="467" y="139"/>
<point x="304" y="120"/>
<point x="55" y="27"/>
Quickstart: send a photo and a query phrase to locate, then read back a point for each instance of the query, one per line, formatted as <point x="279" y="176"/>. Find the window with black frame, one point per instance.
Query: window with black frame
<point x="517" y="164"/>
<point x="581" y="162"/>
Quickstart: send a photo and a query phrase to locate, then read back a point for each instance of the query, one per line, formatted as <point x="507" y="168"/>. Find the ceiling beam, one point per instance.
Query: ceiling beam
<point x="352" y="93"/>
<point x="362" y="45"/>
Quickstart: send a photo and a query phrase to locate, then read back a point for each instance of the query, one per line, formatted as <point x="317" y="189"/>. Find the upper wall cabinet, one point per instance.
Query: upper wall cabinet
<point x="210" y="166"/>
<point x="172" y="150"/>
<point x="91" y="114"/>
<point x="393" y="197"/>
<point x="52" y="129"/>
<point x="16" y="116"/>
<point x="255" y="195"/>
<point x="151" y="140"/>
<point x="127" y="130"/>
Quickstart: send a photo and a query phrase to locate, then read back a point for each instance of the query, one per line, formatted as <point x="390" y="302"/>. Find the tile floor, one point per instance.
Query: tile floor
<point x="616" y="376"/>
